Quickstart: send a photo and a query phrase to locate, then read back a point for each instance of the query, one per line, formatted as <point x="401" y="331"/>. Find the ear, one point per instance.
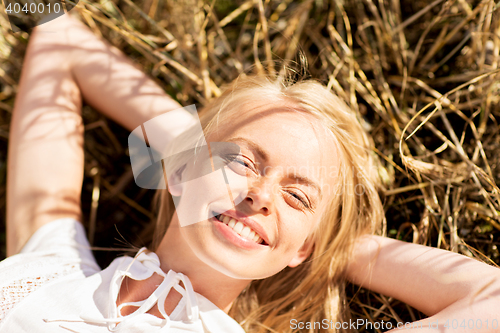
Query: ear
<point x="174" y="182"/>
<point x="303" y="253"/>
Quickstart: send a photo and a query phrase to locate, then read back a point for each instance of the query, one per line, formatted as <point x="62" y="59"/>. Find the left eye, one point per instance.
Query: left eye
<point x="297" y="199"/>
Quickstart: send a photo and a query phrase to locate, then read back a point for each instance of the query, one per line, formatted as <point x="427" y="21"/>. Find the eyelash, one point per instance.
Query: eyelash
<point x="246" y="162"/>
<point x="297" y="199"/>
<point x="240" y="160"/>
<point x="243" y="162"/>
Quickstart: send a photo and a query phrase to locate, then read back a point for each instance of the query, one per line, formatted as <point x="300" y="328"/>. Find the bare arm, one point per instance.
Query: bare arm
<point x="441" y="284"/>
<point x="65" y="61"/>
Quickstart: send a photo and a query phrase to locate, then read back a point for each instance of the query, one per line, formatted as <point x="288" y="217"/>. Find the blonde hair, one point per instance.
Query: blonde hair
<point x="314" y="290"/>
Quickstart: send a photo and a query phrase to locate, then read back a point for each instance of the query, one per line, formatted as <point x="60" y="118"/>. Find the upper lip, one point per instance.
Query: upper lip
<point x="249" y="222"/>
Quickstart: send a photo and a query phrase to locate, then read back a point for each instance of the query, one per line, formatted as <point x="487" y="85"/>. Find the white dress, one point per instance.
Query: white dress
<point x="55" y="285"/>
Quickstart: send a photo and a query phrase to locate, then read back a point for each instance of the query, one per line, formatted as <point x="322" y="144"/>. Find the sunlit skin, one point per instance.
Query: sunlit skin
<point x="46" y="131"/>
<point x="286" y="208"/>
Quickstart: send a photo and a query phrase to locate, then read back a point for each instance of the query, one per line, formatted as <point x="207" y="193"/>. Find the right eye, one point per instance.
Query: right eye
<point x="240" y="164"/>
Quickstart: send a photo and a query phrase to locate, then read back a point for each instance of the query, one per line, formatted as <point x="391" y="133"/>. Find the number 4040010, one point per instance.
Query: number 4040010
<point x="16" y="8"/>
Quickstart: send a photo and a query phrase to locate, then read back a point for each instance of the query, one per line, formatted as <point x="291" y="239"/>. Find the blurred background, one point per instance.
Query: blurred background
<point x="423" y="76"/>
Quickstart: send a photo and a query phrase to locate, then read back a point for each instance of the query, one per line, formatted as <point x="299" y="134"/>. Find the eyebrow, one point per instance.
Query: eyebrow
<point x="255" y="147"/>
<point x="265" y="157"/>
<point x="308" y="182"/>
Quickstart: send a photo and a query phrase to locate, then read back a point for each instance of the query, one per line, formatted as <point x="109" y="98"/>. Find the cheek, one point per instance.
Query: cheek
<point x="197" y="194"/>
<point x="307" y="225"/>
<point x="296" y="229"/>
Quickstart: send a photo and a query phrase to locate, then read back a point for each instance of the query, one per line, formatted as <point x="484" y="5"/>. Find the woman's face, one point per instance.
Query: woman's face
<point x="288" y="162"/>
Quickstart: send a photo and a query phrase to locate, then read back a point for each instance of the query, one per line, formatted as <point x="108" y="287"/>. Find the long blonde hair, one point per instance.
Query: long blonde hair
<point x="313" y="291"/>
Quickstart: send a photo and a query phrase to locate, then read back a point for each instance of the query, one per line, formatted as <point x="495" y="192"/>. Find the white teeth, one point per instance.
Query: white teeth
<point x="255" y="237"/>
<point x="238" y="227"/>
<point x="241" y="229"/>
<point x="245" y="232"/>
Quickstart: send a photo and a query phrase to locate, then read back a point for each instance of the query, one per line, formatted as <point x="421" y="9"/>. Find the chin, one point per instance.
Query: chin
<point x="226" y="258"/>
<point x="238" y="267"/>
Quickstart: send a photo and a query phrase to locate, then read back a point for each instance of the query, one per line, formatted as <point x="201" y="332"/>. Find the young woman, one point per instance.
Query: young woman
<point x="276" y="261"/>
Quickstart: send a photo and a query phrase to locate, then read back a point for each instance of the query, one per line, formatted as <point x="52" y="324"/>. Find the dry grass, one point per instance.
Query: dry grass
<point x="423" y="75"/>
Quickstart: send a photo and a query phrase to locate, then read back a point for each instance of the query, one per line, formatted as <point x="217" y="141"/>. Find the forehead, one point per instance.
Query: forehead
<point x="295" y="141"/>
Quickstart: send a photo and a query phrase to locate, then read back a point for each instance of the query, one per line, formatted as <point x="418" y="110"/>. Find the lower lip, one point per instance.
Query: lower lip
<point x="229" y="235"/>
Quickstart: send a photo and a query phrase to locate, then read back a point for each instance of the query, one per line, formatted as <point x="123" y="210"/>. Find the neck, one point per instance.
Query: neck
<point x="175" y="255"/>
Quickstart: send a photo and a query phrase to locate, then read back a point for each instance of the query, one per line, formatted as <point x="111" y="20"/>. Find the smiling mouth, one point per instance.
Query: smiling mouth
<point x="243" y="230"/>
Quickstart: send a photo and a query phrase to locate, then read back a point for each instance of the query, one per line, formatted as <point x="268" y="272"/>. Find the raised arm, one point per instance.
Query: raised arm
<point x="444" y="285"/>
<point x="65" y="61"/>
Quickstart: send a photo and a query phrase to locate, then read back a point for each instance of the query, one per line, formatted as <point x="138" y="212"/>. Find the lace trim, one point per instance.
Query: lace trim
<point x="17" y="290"/>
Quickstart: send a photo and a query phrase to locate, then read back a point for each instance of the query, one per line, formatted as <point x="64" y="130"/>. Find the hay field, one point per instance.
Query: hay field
<point x="422" y="75"/>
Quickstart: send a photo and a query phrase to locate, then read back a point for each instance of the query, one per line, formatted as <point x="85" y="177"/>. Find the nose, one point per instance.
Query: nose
<point x="260" y="197"/>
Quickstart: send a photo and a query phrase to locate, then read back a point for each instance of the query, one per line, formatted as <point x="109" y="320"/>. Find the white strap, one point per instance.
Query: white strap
<point x="170" y="280"/>
<point x="192" y="304"/>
